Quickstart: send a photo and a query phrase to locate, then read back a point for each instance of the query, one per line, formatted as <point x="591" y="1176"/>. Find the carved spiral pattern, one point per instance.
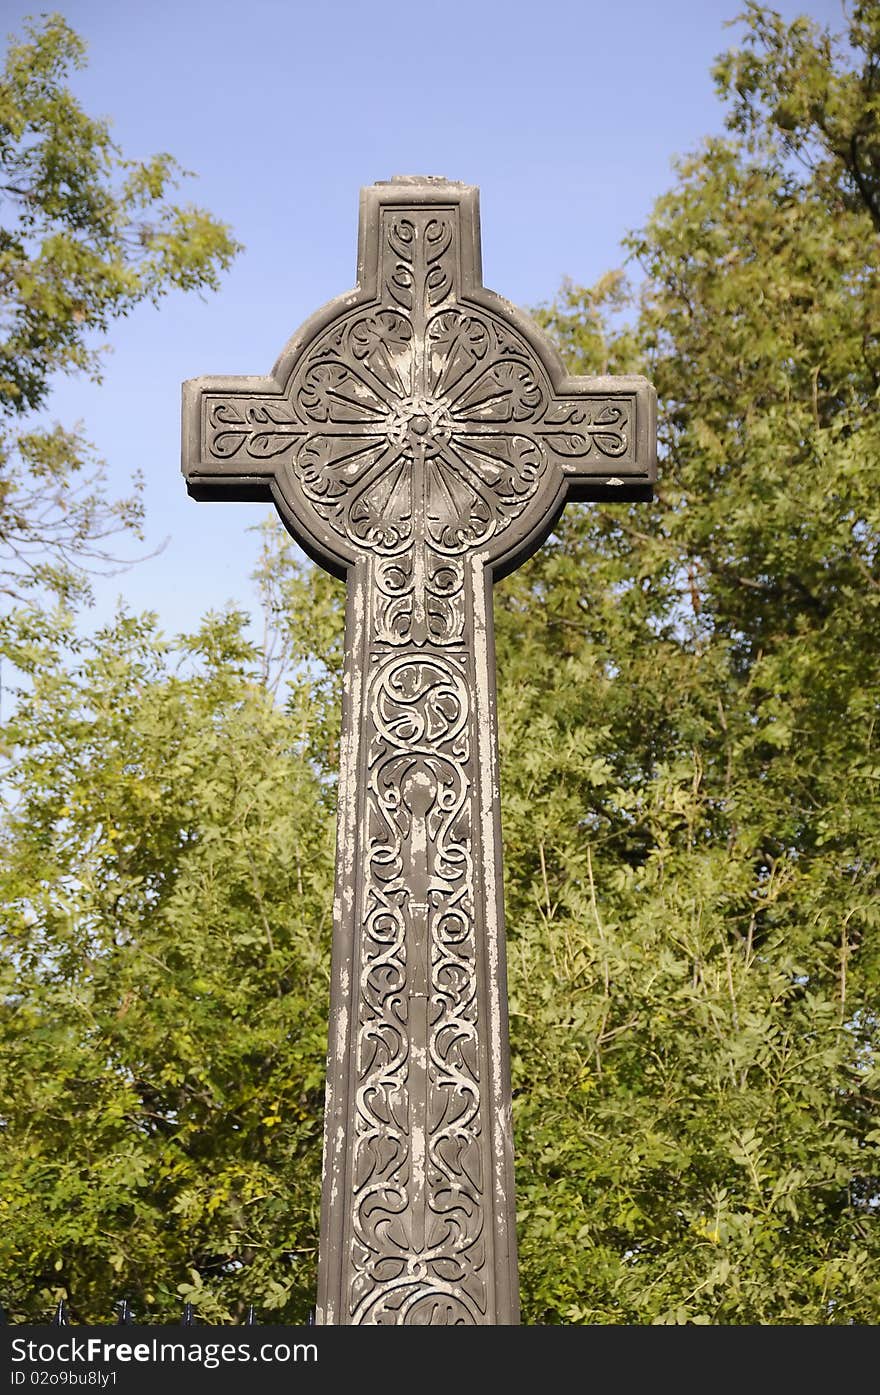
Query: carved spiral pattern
<point x="417" y="599"/>
<point x="418" y="1245"/>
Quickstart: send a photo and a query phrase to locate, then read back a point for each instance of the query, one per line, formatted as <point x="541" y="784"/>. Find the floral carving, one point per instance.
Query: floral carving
<point x="415" y="425"/>
<point x="418" y="1249"/>
<point x="420" y="421"/>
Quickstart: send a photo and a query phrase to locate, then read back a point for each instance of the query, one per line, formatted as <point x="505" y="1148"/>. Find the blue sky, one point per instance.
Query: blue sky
<point x="567" y="115"/>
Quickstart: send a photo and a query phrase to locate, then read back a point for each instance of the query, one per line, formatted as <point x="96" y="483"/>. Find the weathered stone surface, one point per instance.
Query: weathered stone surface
<point x="419" y="437"/>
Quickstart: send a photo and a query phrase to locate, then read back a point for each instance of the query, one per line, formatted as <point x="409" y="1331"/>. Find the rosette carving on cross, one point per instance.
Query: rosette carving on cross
<point x="421" y="408"/>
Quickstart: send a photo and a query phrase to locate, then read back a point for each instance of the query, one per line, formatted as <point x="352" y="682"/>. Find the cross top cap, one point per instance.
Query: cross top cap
<point x="419" y="407"/>
<point x="420" y="179"/>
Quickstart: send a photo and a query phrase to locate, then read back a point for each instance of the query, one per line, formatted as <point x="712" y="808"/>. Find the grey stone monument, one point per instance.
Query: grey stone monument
<point x="419" y="437"/>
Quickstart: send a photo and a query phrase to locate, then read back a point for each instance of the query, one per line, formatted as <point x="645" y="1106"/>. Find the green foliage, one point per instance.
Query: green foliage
<point x="586" y="322"/>
<point x="86" y="236"/>
<point x="166" y="895"/>
<point x="815" y="97"/>
<point x="91" y="233"/>
<point x="688" y="705"/>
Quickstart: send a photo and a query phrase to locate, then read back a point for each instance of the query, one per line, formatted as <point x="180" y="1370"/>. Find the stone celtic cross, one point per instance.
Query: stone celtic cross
<point x="419" y="437"/>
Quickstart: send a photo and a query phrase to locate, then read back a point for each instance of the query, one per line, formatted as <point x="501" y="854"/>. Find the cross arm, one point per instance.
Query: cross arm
<point x="602" y="432"/>
<point x="236" y="430"/>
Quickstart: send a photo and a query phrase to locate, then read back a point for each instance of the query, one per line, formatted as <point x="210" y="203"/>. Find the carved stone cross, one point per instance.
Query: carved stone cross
<point x="419" y="437"/>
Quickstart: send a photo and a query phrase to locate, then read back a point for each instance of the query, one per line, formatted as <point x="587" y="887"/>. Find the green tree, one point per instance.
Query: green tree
<point x="689" y="712"/>
<point x="166" y="894"/>
<point x="86" y="235"/>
